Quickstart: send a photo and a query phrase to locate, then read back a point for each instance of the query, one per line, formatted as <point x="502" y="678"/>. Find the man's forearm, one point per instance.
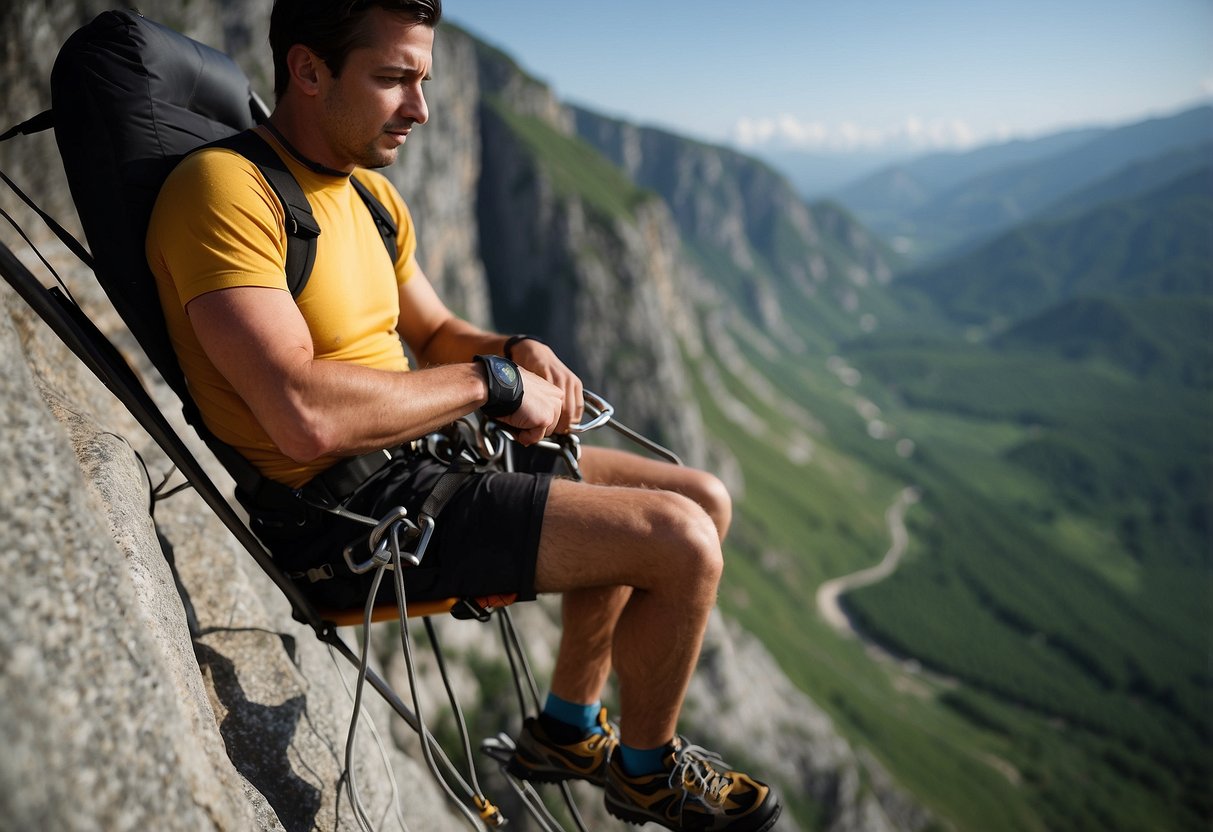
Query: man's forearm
<point x="335" y="408"/>
<point x="458" y="341"/>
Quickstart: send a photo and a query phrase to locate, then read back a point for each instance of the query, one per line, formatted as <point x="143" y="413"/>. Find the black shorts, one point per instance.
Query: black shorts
<point x="485" y="539"/>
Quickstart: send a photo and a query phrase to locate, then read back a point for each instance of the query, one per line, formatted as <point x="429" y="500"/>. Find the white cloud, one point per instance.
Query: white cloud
<point x="914" y="132"/>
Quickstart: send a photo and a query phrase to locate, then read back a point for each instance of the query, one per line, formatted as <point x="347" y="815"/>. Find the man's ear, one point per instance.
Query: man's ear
<point x="305" y="68"/>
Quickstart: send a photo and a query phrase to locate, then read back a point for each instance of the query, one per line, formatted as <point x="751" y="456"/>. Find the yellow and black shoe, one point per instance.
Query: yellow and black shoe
<point x="696" y="791"/>
<point x="543" y="757"/>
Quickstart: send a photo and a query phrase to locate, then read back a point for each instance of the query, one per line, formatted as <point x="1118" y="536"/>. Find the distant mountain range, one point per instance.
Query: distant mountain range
<point x="1159" y="243"/>
<point x="937" y="204"/>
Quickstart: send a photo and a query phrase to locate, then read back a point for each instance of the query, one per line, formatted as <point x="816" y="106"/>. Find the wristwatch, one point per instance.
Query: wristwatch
<point x="505" y="386"/>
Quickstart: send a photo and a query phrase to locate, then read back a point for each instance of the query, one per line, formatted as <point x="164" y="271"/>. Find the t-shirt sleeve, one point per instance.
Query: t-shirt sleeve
<point x="216" y="225"/>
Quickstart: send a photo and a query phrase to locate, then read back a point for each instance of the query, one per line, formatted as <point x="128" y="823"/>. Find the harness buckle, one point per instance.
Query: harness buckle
<point x="324" y="572"/>
<point x="315" y="575"/>
<point x="384" y="541"/>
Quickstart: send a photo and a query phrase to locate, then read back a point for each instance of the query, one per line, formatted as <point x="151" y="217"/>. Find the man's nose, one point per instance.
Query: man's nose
<point x="414" y="107"/>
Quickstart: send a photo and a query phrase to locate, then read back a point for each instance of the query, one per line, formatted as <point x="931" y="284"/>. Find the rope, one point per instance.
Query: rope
<point x="59" y="231"/>
<point x="360" y="815"/>
<point x="406" y="645"/>
<point x="383" y="756"/>
<point x="460" y="723"/>
<point x="33" y="247"/>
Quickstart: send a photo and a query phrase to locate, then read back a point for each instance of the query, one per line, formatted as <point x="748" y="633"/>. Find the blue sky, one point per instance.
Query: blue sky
<point x="860" y="75"/>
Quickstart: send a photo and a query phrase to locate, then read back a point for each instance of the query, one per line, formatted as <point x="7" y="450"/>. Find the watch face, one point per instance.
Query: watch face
<point x="505" y="373"/>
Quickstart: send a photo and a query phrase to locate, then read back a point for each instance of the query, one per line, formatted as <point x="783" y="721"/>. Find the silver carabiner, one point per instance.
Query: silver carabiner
<point x="602" y="411"/>
<point x="377" y="542"/>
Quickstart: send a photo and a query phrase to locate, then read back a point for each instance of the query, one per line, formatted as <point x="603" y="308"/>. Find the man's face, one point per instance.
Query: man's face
<point x="371" y="107"/>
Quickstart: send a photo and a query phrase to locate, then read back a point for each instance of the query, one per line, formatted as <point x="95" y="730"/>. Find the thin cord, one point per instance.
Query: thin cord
<point x="406" y="644"/>
<point x="30" y="243"/>
<point x="360" y="815"/>
<point x="370" y="723"/>
<point x="58" y="230"/>
<point x="450" y="695"/>
<point x="517" y="648"/>
<point x="509" y="654"/>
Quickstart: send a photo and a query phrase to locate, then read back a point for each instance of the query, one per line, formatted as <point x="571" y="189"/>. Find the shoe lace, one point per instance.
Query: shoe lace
<point x="694" y="771"/>
<point x="608" y="739"/>
<point x="605" y="724"/>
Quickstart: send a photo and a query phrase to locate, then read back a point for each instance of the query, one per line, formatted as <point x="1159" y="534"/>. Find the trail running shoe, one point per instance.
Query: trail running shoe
<point x="540" y="758"/>
<point x="695" y="792"/>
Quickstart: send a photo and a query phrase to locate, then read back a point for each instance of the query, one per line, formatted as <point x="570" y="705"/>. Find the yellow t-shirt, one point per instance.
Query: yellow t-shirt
<point x="217" y="224"/>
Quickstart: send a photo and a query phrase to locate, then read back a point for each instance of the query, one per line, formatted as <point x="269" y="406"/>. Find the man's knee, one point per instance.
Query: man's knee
<point x="692" y="543"/>
<point x="712" y="494"/>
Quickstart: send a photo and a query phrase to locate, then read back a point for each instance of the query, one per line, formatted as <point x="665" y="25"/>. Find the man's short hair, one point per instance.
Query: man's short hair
<point x="332" y="28"/>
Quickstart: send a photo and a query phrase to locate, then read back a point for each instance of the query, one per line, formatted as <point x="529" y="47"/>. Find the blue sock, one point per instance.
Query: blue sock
<point x="583" y="717"/>
<point x="638" y="761"/>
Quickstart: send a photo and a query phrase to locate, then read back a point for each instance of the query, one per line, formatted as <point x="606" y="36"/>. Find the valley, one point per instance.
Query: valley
<point x="1043" y="394"/>
<point x="830" y="593"/>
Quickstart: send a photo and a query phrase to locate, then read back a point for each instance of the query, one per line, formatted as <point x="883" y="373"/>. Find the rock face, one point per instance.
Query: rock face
<point x="153" y="676"/>
<point x="137" y="696"/>
<point x="731" y="207"/>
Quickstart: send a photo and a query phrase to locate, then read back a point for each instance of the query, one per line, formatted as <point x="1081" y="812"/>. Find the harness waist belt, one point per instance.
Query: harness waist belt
<point x="335" y="483"/>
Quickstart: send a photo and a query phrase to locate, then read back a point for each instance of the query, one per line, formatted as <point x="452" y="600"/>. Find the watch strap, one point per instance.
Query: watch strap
<point x="514" y="340"/>
<point x="505" y="386"/>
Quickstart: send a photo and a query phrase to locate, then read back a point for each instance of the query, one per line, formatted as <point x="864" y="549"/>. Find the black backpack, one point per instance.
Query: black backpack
<point x="129" y="99"/>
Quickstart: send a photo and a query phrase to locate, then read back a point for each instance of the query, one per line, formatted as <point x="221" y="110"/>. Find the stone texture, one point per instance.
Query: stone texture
<point x="97" y="723"/>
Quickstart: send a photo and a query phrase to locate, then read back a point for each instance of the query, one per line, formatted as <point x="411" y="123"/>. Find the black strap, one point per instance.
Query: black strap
<point x="44" y="121"/>
<point x="444" y="489"/>
<point x="301" y="227"/>
<point x="332" y="486"/>
<point x="383" y="219"/>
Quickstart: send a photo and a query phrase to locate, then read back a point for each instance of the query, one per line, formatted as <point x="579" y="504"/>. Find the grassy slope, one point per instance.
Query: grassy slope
<point x="1035" y="771"/>
<point x="818" y="521"/>
<point x="1054" y="606"/>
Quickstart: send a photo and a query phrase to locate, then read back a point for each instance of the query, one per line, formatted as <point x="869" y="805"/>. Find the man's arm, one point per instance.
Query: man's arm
<point x="259" y="340"/>
<point x="437" y="337"/>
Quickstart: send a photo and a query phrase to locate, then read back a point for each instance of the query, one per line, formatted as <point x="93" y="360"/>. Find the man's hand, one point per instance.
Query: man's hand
<point x="540" y="413"/>
<point x="540" y="360"/>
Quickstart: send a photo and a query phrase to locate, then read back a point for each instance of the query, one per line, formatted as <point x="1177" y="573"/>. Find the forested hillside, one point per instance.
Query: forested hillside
<point x="1062" y="567"/>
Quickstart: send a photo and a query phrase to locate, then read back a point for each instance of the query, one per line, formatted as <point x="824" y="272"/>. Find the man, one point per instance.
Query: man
<point x="299" y="385"/>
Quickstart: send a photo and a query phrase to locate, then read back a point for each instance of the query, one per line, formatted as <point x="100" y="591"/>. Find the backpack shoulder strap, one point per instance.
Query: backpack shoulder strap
<point x="301" y="227"/>
<point x="383" y="219"/>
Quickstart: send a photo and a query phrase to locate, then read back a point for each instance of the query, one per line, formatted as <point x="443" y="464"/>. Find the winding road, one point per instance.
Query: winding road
<point x="829" y="592"/>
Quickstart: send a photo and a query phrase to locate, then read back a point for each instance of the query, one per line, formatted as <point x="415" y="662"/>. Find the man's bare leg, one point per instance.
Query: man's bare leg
<point x="606" y="466"/>
<point x="667" y="549"/>
<point x="583" y="661"/>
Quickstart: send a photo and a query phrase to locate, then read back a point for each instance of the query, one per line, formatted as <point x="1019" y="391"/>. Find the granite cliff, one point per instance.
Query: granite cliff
<point x="154" y="678"/>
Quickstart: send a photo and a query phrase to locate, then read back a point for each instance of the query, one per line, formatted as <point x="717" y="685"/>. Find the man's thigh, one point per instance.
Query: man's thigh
<point x="604" y="466"/>
<point x="608" y="466"/>
<point x="597" y="535"/>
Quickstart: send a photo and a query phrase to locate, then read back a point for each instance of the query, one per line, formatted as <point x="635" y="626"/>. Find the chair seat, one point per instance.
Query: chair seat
<point x="387" y="611"/>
